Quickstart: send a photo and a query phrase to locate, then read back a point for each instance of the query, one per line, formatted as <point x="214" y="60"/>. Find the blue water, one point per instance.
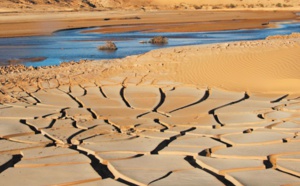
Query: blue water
<point x="74" y="45"/>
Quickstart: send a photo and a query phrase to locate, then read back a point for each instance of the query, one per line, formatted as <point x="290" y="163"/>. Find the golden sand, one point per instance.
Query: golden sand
<point x="220" y="114"/>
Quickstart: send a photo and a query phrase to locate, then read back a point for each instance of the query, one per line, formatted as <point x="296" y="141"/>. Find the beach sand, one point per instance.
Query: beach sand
<point x="220" y="114"/>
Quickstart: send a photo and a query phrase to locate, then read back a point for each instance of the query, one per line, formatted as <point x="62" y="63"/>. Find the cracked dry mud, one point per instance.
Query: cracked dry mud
<point x="117" y="134"/>
<point x="137" y="121"/>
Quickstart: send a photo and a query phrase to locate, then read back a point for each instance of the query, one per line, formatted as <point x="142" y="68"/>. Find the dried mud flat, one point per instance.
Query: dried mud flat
<point x="151" y="120"/>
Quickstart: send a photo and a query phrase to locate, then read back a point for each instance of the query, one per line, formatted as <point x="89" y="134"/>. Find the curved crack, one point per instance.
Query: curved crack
<point x="212" y="111"/>
<point x="168" y="174"/>
<point x="123" y="97"/>
<point x="23" y="121"/>
<point x="80" y="104"/>
<point x="279" y="99"/>
<point x="102" y="92"/>
<point x="162" y="100"/>
<point x="194" y="164"/>
<point x="205" y="96"/>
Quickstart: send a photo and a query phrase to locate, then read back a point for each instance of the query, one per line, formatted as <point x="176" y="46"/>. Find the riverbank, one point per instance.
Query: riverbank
<point x="78" y="44"/>
<point x="45" y="23"/>
<point x="235" y="66"/>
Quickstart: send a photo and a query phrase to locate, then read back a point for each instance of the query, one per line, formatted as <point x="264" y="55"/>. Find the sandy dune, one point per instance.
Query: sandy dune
<point x="252" y="66"/>
<point x="221" y="114"/>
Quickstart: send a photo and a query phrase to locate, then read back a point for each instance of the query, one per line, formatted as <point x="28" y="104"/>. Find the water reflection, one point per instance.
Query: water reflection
<point x="73" y="45"/>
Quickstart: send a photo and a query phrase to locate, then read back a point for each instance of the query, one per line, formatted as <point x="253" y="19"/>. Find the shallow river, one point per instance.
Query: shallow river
<point x="74" y="45"/>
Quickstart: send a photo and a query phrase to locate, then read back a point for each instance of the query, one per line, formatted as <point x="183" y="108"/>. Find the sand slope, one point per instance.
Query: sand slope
<point x="245" y="67"/>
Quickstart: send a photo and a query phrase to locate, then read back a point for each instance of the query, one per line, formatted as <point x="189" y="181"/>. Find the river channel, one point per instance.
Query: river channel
<point x="74" y="45"/>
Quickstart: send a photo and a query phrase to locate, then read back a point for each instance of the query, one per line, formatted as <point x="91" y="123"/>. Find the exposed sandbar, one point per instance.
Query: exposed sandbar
<point x="37" y="23"/>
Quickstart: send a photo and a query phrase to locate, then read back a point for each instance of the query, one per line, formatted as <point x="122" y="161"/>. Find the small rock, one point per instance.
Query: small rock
<point x="108" y="46"/>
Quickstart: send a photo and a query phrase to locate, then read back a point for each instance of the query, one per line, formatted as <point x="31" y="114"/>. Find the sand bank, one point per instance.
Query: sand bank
<point x="269" y="66"/>
<point x="45" y="23"/>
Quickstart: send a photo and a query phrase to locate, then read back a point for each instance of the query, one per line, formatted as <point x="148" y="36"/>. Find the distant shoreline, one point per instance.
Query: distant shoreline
<point x="40" y="24"/>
